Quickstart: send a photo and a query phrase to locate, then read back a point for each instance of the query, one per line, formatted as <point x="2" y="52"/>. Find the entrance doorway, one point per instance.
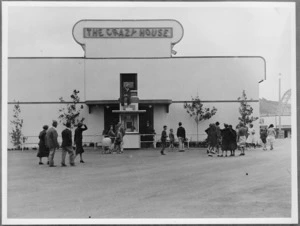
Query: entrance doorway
<point x="146" y="125"/>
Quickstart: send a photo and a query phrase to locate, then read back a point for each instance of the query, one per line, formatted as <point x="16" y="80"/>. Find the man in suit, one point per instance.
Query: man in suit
<point x="67" y="145"/>
<point x="181" y="137"/>
<point x="52" y="142"/>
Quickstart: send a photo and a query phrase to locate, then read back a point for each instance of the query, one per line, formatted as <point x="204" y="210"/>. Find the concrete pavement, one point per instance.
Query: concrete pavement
<point x="145" y="184"/>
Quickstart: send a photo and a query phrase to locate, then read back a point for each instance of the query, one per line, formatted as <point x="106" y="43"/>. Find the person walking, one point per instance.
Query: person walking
<point x="241" y="137"/>
<point x="271" y="136"/>
<point x="43" y="149"/>
<point x="78" y="140"/>
<point x="163" y="140"/>
<point x="52" y="142"/>
<point x="181" y="136"/>
<point x="67" y="145"/>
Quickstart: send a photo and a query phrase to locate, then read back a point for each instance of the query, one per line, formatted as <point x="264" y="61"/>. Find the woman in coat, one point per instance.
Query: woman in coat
<point x="43" y="149"/>
<point x="78" y="139"/>
<point x="212" y="139"/>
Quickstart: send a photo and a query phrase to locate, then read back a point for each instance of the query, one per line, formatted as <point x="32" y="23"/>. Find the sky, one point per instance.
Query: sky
<point x="210" y="29"/>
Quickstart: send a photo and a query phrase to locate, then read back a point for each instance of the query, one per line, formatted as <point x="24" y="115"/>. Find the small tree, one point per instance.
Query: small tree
<point x="198" y="112"/>
<point x="71" y="112"/>
<point x="245" y="110"/>
<point x="17" y="137"/>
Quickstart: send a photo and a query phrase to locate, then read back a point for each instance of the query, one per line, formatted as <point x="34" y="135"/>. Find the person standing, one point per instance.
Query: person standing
<point x="43" y="149"/>
<point x="226" y="135"/>
<point x="112" y="137"/>
<point x="271" y="136"/>
<point x="208" y="140"/>
<point x="163" y="140"/>
<point x="241" y="137"/>
<point x="52" y="142"/>
<point x="212" y="139"/>
<point x="251" y="139"/>
<point x="263" y="137"/>
<point x="219" y="136"/>
<point x="172" y="139"/>
<point x="67" y="145"/>
<point x="181" y="136"/>
<point x="78" y="140"/>
<point x="120" y="128"/>
<point x="233" y="145"/>
<point x="118" y="140"/>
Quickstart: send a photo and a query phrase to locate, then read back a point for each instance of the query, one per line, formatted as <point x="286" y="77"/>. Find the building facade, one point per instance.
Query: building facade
<point x="139" y="55"/>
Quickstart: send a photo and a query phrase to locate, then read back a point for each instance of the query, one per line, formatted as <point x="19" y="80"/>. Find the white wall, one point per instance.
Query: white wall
<point x="227" y="113"/>
<point x="176" y="78"/>
<point x="45" y="79"/>
<point x="35" y="116"/>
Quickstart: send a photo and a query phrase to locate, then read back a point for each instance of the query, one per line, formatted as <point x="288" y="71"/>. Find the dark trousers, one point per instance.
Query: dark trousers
<point x="163" y="146"/>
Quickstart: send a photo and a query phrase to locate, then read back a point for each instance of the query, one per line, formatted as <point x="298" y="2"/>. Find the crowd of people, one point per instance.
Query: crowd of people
<point x="222" y="141"/>
<point x="219" y="141"/>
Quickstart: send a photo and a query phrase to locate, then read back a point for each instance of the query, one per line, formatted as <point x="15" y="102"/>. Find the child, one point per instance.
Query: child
<point x="172" y="138"/>
<point x="271" y="136"/>
<point x="263" y="137"/>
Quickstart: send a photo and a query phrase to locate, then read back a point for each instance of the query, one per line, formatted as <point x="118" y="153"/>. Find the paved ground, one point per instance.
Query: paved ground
<point x="144" y="184"/>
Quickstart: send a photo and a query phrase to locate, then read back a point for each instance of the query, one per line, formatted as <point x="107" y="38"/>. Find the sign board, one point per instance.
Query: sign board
<point x="94" y="32"/>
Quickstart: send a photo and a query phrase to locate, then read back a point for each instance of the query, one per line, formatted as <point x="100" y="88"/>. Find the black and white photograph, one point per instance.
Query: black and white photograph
<point x="149" y="112"/>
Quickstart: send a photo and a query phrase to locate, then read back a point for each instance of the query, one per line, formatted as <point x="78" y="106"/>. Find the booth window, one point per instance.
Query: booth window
<point x="130" y="122"/>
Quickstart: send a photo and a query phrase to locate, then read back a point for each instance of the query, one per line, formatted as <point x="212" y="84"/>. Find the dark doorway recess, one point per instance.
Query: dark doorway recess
<point x="110" y="118"/>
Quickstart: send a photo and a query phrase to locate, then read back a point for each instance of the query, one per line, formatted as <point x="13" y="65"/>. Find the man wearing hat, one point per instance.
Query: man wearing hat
<point x="67" y="145"/>
<point x="52" y="142"/>
<point x="78" y="139"/>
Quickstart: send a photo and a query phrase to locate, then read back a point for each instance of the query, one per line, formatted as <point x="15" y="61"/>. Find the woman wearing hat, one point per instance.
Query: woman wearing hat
<point x="78" y="139"/>
<point x="43" y="150"/>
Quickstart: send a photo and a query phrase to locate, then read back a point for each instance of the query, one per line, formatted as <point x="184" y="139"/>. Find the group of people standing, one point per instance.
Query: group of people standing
<point x="113" y="140"/>
<point x="181" y="138"/>
<point x="224" y="139"/>
<point x="228" y="139"/>
<point x="48" y="143"/>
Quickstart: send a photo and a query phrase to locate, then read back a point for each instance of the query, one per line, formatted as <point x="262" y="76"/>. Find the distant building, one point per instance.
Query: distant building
<point x="269" y="115"/>
<point x="139" y="54"/>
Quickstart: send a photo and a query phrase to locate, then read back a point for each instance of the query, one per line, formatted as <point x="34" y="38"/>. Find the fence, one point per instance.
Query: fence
<point x="95" y="140"/>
